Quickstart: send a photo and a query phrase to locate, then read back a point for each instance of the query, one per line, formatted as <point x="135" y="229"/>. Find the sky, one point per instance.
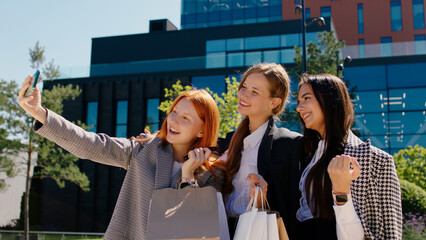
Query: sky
<point x="66" y="28"/>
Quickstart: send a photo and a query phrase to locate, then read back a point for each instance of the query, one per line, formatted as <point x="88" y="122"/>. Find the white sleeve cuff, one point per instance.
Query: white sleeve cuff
<point x="348" y="224"/>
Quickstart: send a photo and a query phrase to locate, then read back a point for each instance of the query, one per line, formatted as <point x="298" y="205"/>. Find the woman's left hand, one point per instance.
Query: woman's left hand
<point x="196" y="158"/>
<point x="341" y="174"/>
<point x="257" y="180"/>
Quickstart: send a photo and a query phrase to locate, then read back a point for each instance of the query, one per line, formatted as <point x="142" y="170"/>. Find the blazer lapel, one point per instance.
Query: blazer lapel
<point x="361" y="151"/>
<point x="164" y="166"/>
<point x="264" y="154"/>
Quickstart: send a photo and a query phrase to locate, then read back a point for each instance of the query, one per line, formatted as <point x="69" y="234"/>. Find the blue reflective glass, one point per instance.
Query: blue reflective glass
<point x="360" y="18"/>
<point x="121" y="112"/>
<point x="312" y="37"/>
<point x="214" y="16"/>
<point x="202" y="6"/>
<point x="225" y="15"/>
<point x="380" y="141"/>
<point x="215" y="60"/>
<point x="262" y="12"/>
<point x="367" y="102"/>
<point x="189" y="6"/>
<point x="234" y="44"/>
<point x="407" y="122"/>
<point x="325" y="11"/>
<point x="201" y="17"/>
<point x="235" y="59"/>
<point x="296" y="1"/>
<point x="386" y="46"/>
<point x="290" y="40"/>
<point x="275" y="11"/>
<point x="307" y="13"/>
<point x="190" y="18"/>
<point x="250" y="20"/>
<point x="92" y="115"/>
<point x="215" y="46"/>
<point x="368" y="124"/>
<point x="252" y="58"/>
<point x="153" y="114"/>
<point x="263" y="19"/>
<point x="271" y="56"/>
<point x="420" y="44"/>
<point x="121" y="131"/>
<point x="407" y="99"/>
<point x="407" y="75"/>
<point x="407" y="140"/>
<point x="238" y="14"/>
<point x="215" y="83"/>
<point x="262" y="42"/>
<point x="396" y="19"/>
<point x="287" y="55"/>
<point x="366" y="78"/>
<point x="418" y="14"/>
<point x="213" y="24"/>
<point x="361" y="48"/>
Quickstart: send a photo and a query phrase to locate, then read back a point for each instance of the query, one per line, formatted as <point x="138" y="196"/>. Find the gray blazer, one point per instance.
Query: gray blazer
<point x="149" y="167"/>
<point x="376" y="193"/>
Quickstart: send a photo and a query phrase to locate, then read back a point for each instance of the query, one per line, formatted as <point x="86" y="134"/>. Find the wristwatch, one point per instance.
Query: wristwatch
<point x="341" y="198"/>
<point x="192" y="183"/>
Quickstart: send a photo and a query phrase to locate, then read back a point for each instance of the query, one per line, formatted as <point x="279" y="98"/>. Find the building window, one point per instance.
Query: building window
<point x="296" y="1"/>
<point x="216" y="60"/>
<point x="325" y="11"/>
<point x="307" y="13"/>
<point x="386" y="46"/>
<point x="396" y="19"/>
<point x="418" y="14"/>
<point x="420" y="44"/>
<point x="361" y="48"/>
<point x="360" y="18"/>
<point x="215" y="83"/>
<point x="121" y="120"/>
<point x="92" y="116"/>
<point x="153" y="114"/>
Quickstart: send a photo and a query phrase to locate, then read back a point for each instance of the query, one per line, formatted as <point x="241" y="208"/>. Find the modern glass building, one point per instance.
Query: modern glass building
<point x="211" y="13"/>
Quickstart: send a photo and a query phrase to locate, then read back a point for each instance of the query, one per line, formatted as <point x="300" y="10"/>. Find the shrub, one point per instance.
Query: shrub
<point x="413" y="198"/>
<point x="411" y="165"/>
<point x="414" y="226"/>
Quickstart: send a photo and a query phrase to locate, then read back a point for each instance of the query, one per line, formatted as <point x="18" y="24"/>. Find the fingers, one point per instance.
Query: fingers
<point x="146" y="131"/>
<point x="257" y="180"/>
<point x="25" y="85"/>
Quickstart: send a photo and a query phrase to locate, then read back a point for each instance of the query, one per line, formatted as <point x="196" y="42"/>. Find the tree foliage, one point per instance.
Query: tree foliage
<point x="411" y="165"/>
<point x="227" y="103"/>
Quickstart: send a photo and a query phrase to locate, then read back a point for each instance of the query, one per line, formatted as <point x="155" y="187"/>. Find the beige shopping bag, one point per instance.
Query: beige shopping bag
<point x="190" y="213"/>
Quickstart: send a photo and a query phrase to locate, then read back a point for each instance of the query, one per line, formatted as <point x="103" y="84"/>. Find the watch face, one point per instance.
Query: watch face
<point x="341" y="198"/>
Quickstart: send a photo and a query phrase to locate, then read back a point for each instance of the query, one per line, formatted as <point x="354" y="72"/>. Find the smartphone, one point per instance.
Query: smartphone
<point x="31" y="89"/>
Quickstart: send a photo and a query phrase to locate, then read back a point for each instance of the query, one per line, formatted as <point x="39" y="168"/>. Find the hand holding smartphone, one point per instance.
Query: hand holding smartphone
<point x="31" y="89"/>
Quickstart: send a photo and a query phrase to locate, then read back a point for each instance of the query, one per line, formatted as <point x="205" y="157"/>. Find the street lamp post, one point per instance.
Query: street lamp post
<point x="319" y="21"/>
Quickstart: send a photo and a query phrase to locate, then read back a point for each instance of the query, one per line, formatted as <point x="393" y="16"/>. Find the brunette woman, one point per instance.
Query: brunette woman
<point x="191" y="126"/>
<point x="350" y="189"/>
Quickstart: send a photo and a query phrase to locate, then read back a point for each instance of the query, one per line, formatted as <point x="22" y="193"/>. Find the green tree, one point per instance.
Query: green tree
<point x="321" y="57"/>
<point x="52" y="161"/>
<point x="227" y="103"/>
<point x="411" y="165"/>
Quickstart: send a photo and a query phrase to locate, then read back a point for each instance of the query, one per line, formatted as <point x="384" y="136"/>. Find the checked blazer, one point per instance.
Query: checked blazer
<point x="149" y="167"/>
<point x="376" y="193"/>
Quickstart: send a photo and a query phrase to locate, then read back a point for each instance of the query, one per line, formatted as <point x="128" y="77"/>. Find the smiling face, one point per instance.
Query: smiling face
<point x="310" y="110"/>
<point x="183" y="124"/>
<point x="254" y="98"/>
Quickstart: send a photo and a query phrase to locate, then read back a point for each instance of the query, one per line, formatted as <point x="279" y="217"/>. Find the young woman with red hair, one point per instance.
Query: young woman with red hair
<point x="178" y="156"/>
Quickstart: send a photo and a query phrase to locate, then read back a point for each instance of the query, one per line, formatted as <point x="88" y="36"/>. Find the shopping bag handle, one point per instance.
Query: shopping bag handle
<point x="253" y="201"/>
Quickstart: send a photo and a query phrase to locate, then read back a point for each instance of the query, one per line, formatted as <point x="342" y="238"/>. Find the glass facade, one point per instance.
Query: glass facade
<point x="396" y="19"/>
<point x="215" y="83"/>
<point x="361" y="48"/>
<point x="390" y="104"/>
<point x="121" y="119"/>
<point x="240" y="52"/>
<point x="418" y="14"/>
<point x="92" y="116"/>
<point x="210" y="13"/>
<point x="386" y="46"/>
<point x="360" y="18"/>
<point x="326" y="11"/>
<point x="152" y="114"/>
<point x="420" y="44"/>
<point x="307" y="13"/>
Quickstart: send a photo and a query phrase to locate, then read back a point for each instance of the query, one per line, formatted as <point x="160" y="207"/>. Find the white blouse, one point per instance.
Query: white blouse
<point x="238" y="200"/>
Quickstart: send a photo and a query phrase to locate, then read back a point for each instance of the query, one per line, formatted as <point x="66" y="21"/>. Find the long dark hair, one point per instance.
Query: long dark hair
<point x="279" y="87"/>
<point x="333" y="98"/>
